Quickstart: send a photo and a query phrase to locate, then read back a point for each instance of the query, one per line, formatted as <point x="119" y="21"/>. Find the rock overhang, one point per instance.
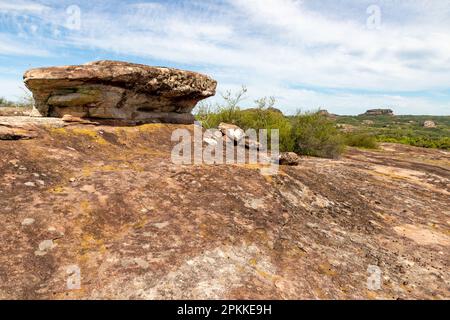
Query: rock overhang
<point x="118" y="90"/>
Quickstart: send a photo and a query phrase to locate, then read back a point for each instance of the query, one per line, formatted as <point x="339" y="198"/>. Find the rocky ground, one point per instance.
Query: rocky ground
<point x="107" y="201"/>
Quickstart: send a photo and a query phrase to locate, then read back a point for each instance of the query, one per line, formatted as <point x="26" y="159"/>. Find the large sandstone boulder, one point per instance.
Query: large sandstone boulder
<point x="118" y="90"/>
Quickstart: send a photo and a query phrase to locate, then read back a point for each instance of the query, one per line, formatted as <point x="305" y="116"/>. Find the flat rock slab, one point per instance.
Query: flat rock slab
<point x="118" y="90"/>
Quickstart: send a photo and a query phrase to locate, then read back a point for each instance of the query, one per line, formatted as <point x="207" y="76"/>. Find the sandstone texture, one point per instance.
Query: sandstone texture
<point x="119" y="91"/>
<point x="108" y="202"/>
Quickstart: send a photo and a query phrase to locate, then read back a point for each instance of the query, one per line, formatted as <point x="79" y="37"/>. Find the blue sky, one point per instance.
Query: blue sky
<point x="345" y="56"/>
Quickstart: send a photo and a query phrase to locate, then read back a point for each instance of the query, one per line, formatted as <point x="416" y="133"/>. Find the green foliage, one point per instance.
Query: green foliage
<point x="361" y="140"/>
<point x="25" y="101"/>
<point x="5" y="103"/>
<point x="405" y="129"/>
<point x="261" y="117"/>
<point x="316" y="135"/>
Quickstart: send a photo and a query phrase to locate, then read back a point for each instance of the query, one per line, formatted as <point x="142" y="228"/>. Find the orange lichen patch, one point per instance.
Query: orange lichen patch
<point x="57" y="189"/>
<point x="268" y="276"/>
<point x="85" y="206"/>
<point x="371" y="295"/>
<point x="141" y="223"/>
<point x="88" y="242"/>
<point x="327" y="269"/>
<point x="151" y="127"/>
<point x="93" y="134"/>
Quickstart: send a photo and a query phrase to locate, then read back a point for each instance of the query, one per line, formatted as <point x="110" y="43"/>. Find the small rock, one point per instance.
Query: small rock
<point x="37" y="175"/>
<point x="213" y="134"/>
<point x="72" y="179"/>
<point x="41" y="182"/>
<point x="14" y="162"/>
<point x="289" y="159"/>
<point x="72" y="119"/>
<point x="232" y="131"/>
<point x="30" y="184"/>
<point x="27" y="221"/>
<point x="46" y="245"/>
<point x="161" y="225"/>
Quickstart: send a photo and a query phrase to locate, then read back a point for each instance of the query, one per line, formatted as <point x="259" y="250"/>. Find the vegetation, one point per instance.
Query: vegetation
<point x="316" y="134"/>
<point x="403" y="129"/>
<point x="306" y="133"/>
<point x="264" y="116"/>
<point x="25" y="101"/>
<point x="361" y="140"/>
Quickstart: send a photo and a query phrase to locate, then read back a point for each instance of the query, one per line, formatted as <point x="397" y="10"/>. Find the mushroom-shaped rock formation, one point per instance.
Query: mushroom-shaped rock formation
<point x="115" y="90"/>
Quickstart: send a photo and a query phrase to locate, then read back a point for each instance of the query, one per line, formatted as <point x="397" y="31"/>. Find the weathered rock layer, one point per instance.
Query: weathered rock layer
<point x="118" y="90"/>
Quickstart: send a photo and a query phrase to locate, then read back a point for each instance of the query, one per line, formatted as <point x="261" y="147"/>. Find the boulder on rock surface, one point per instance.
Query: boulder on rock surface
<point x="232" y="131"/>
<point x="289" y="159"/>
<point x="117" y="90"/>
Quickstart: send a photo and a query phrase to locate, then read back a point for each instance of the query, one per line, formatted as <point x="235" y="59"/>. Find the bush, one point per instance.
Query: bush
<point x="25" y="101"/>
<point x="5" y="103"/>
<point x="310" y="134"/>
<point x="316" y="135"/>
<point x="264" y="116"/>
<point x="361" y="140"/>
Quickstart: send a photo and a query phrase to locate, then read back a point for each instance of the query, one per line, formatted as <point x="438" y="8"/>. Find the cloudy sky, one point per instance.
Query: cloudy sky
<point x="342" y="55"/>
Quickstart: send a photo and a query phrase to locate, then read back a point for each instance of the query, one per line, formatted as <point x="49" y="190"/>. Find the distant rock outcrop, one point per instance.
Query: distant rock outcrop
<point x="118" y="90"/>
<point x="429" y="124"/>
<point x="378" y="112"/>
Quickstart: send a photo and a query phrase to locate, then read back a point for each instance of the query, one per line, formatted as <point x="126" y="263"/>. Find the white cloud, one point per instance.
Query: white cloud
<point x="10" y="46"/>
<point x="22" y="6"/>
<point x="274" y="46"/>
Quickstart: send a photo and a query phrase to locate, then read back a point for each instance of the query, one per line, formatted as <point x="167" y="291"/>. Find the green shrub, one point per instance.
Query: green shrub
<point x="360" y="140"/>
<point x="264" y="116"/>
<point x="25" y="101"/>
<point x="316" y="135"/>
